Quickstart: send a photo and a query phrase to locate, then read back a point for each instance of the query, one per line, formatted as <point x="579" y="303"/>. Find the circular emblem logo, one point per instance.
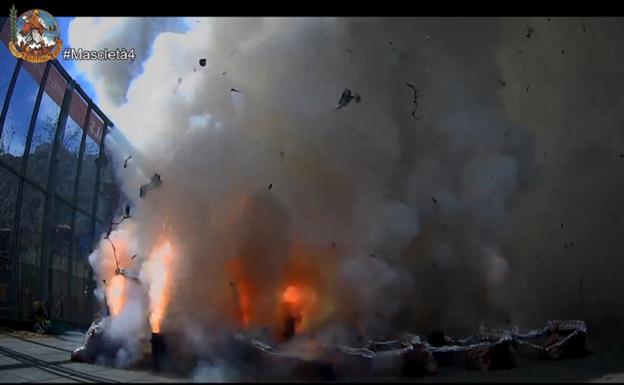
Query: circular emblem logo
<point x="34" y="36"/>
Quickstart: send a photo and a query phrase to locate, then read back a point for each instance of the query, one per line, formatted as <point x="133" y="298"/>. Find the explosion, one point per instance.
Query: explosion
<point x="294" y="218"/>
<point x="158" y="274"/>
<point x="298" y="303"/>
<point x="115" y="294"/>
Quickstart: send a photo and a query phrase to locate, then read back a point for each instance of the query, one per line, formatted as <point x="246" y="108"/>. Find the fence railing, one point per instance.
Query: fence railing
<point x="50" y="231"/>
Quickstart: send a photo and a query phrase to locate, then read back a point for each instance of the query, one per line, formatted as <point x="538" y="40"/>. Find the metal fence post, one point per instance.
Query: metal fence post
<point x="96" y="192"/>
<point x="50" y="204"/>
<point x="72" y="251"/>
<point x="20" y="191"/>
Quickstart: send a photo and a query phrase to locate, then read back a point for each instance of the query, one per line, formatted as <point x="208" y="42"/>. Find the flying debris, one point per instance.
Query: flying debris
<point x="224" y="72"/>
<point x="348" y="50"/>
<point x="346" y="98"/>
<point x="154" y="183"/>
<point x="202" y="62"/>
<point x="282" y="154"/>
<point x="134" y="256"/>
<point x="235" y="90"/>
<point x="127" y="212"/>
<point x="126" y="161"/>
<point x="529" y="32"/>
<point x="270" y="186"/>
<point x="434" y="200"/>
<point x="415" y="100"/>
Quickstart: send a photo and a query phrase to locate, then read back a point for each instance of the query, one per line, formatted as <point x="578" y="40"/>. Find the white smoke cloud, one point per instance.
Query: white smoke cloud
<point x="111" y="79"/>
<point x="362" y="199"/>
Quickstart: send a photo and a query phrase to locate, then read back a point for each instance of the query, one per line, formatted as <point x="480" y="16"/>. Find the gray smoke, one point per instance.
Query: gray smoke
<point x="387" y="222"/>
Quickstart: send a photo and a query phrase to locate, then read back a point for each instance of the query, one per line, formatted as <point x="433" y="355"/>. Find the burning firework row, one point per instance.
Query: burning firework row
<point x="412" y="356"/>
<point x="408" y="355"/>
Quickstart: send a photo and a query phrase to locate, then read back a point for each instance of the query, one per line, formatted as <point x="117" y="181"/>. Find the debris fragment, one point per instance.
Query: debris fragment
<point x="134" y="256"/>
<point x="415" y="100"/>
<point x="235" y="90"/>
<point x="520" y="51"/>
<point x="348" y="50"/>
<point x="270" y="186"/>
<point x="434" y="200"/>
<point x="621" y="155"/>
<point x="202" y="62"/>
<point x="501" y="82"/>
<point x="529" y="31"/>
<point x="427" y="36"/>
<point x="154" y="183"/>
<point x="583" y="26"/>
<point x="562" y="51"/>
<point x="527" y="87"/>
<point x="390" y="43"/>
<point x="233" y="51"/>
<point x="126" y="161"/>
<point x="346" y="98"/>
<point x="224" y="72"/>
<point x="282" y="154"/>
<point x="561" y="225"/>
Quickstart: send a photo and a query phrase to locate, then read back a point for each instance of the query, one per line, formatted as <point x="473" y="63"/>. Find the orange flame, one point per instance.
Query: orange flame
<point x="115" y="294"/>
<point x="242" y="291"/>
<point x="300" y="303"/>
<point x="159" y="275"/>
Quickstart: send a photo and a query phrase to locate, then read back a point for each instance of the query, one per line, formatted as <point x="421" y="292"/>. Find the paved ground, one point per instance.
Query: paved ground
<point x="29" y="357"/>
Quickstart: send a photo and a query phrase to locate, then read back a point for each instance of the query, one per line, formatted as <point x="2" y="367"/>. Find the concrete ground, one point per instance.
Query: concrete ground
<point x="29" y="357"/>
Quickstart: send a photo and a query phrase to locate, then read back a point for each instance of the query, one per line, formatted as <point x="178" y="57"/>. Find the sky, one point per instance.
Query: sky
<point x="70" y="65"/>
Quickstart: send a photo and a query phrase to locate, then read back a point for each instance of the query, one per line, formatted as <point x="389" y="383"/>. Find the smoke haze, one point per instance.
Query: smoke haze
<point x="387" y="222"/>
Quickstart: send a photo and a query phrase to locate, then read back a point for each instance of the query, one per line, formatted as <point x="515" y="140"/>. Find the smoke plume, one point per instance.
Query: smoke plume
<point x="381" y="220"/>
